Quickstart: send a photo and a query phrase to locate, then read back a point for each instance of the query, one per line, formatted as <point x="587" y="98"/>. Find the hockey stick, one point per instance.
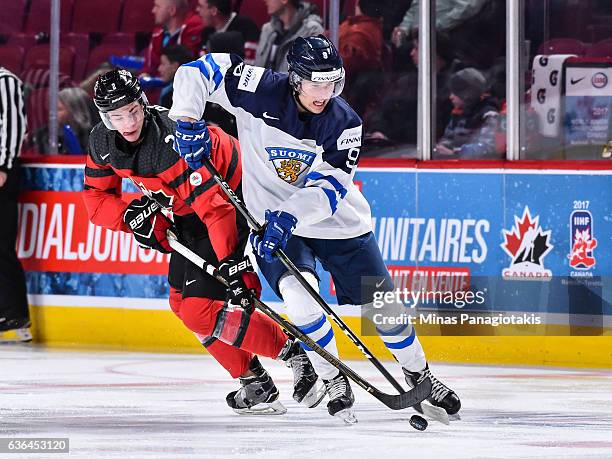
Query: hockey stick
<point x="395" y="402"/>
<point x="241" y="207"/>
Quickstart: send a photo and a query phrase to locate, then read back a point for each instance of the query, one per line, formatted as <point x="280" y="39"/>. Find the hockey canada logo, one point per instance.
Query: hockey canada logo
<point x="159" y="196"/>
<point x="582" y="242"/>
<point x="527" y="244"/>
<point x="288" y="163"/>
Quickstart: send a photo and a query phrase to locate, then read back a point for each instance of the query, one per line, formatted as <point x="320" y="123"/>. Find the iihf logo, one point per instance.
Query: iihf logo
<point x="582" y="242"/>
<point x="527" y="245"/>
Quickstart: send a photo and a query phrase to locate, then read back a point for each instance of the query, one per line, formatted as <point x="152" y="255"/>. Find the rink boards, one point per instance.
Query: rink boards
<point x="532" y="241"/>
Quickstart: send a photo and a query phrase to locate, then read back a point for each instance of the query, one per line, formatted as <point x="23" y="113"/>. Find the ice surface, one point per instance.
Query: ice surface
<point x="150" y="405"/>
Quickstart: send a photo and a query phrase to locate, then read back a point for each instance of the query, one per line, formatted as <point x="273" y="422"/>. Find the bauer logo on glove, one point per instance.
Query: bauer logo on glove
<point x="144" y="218"/>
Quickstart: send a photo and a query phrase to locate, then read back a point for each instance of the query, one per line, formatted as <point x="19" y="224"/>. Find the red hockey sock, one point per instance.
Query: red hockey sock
<point x="264" y="336"/>
<point x="235" y="361"/>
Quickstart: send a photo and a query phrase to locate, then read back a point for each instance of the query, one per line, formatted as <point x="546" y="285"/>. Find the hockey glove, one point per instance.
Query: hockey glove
<point x="243" y="283"/>
<point x="144" y="218"/>
<point x="192" y="142"/>
<point x="276" y="232"/>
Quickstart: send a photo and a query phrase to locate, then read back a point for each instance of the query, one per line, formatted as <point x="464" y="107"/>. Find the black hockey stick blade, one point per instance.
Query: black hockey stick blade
<point x="406" y="399"/>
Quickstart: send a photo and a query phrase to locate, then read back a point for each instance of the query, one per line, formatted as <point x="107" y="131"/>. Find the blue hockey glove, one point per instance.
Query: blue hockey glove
<point x="192" y="142"/>
<point x="276" y="232"/>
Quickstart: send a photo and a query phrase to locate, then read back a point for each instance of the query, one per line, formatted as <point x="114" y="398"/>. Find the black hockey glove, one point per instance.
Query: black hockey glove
<point x="144" y="218"/>
<point x="243" y="282"/>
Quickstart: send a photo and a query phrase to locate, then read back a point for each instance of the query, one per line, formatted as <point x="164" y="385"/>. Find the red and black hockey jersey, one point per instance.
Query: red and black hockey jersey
<point x="154" y="167"/>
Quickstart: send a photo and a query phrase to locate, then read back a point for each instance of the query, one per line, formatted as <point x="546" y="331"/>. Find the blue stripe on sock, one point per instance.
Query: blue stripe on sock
<point x="402" y="344"/>
<point x="322" y="342"/>
<point x="313" y="326"/>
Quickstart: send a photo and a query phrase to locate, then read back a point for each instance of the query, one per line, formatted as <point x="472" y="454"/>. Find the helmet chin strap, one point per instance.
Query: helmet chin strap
<point x="296" y="96"/>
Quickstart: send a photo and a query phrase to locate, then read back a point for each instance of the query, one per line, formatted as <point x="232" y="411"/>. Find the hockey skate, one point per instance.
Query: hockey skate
<point x="341" y="398"/>
<point x="306" y="386"/>
<point x="441" y="396"/>
<point x="15" y="330"/>
<point x="258" y="394"/>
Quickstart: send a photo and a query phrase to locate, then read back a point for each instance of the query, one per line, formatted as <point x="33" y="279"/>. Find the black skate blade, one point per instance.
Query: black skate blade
<point x="275" y="408"/>
<point x="406" y="399"/>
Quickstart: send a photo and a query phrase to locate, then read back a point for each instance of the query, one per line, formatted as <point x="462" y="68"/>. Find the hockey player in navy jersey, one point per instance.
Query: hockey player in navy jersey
<point x="300" y="145"/>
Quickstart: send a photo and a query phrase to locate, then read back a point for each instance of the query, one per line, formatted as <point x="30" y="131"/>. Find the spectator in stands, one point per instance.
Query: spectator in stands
<point x="14" y="313"/>
<point x="76" y="116"/>
<point x="476" y="27"/>
<point x="392" y="121"/>
<point x="217" y="16"/>
<point x="290" y="19"/>
<point x="446" y="65"/>
<point x="361" y="39"/>
<point x="176" y="25"/>
<point x="172" y="57"/>
<point x="471" y="132"/>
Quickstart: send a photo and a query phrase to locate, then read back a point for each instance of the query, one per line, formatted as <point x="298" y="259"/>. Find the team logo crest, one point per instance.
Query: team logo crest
<point x="582" y="242"/>
<point x="159" y="196"/>
<point x="527" y="244"/>
<point x="290" y="164"/>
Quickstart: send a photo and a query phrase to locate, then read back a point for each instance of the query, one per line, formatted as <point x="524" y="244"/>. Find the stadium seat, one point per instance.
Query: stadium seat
<point x="562" y="46"/>
<point x="26" y="41"/>
<point x="80" y="43"/>
<point x="137" y="16"/>
<point x="12" y="15"/>
<point x="102" y="53"/>
<point x="96" y="16"/>
<point x="38" y="57"/>
<point x="119" y="38"/>
<point x="602" y="48"/>
<point x="11" y="57"/>
<point x="37" y="108"/>
<point x="38" y="16"/>
<point x="255" y="9"/>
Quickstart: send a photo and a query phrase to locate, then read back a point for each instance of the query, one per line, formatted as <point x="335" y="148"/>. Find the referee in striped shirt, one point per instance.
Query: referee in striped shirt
<point x="14" y="314"/>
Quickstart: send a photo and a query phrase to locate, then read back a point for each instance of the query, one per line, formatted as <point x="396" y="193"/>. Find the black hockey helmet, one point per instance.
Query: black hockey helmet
<point x="115" y="89"/>
<point x="315" y="59"/>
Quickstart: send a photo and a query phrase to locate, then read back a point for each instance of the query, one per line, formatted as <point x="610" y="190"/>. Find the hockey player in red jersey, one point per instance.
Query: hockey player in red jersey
<point x="135" y="141"/>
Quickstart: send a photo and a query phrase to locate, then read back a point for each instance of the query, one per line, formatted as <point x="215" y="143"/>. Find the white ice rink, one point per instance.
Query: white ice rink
<point x="149" y="405"/>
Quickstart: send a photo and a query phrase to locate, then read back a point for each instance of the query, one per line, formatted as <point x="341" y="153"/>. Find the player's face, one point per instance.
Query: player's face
<point x="315" y="96"/>
<point x="128" y="121"/>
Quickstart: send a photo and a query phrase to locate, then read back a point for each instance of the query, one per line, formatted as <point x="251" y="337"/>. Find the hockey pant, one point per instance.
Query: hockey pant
<point x="230" y="334"/>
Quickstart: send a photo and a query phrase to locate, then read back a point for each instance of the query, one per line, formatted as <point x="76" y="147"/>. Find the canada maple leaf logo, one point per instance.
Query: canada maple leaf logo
<point x="526" y="242"/>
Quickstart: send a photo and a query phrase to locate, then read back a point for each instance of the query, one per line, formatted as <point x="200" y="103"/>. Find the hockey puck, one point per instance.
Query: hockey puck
<point x="418" y="422"/>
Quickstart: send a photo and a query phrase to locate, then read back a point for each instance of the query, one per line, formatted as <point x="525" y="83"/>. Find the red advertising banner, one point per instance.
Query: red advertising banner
<point x="55" y="235"/>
